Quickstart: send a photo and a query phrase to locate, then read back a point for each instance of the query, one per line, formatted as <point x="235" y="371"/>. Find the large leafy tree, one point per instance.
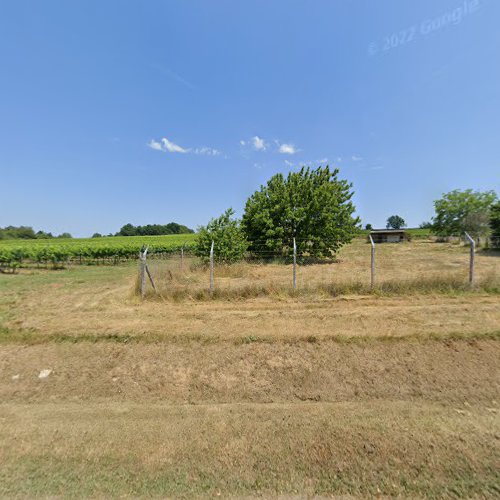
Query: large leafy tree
<point x="457" y="210"/>
<point x="395" y="222"/>
<point x="495" y="223"/>
<point x="229" y="240"/>
<point x="312" y="205"/>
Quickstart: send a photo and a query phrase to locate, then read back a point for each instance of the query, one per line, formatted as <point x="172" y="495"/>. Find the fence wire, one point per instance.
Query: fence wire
<point x="397" y="265"/>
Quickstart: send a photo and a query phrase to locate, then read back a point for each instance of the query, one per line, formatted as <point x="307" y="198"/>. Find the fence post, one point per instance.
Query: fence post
<point x="471" y="260"/>
<point x="182" y="257"/>
<point x="294" y="265"/>
<point x="372" y="279"/>
<point x="212" y="268"/>
<point x="142" y="271"/>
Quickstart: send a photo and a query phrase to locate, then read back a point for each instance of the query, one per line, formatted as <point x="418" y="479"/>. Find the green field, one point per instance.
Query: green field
<point x="60" y="250"/>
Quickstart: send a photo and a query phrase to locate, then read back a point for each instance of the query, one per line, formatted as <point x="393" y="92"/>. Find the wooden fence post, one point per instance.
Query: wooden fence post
<point x="182" y="257"/>
<point x="372" y="279"/>
<point x="142" y="271"/>
<point x="294" y="265"/>
<point x="471" y="259"/>
<point x="212" y="268"/>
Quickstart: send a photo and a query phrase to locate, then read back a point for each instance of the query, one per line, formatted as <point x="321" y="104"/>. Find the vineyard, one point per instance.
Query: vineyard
<point x="16" y="253"/>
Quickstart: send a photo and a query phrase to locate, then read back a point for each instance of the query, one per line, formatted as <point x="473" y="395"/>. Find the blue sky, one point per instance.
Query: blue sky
<point x="147" y="112"/>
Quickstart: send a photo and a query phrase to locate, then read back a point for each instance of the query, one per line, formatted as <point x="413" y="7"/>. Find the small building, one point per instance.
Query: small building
<point x="388" y="235"/>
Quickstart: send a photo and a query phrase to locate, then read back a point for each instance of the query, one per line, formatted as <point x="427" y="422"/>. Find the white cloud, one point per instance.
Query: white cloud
<point x="288" y="163"/>
<point x="288" y="149"/>
<point x="258" y="143"/>
<point x="243" y="143"/>
<point x="323" y="160"/>
<point x="339" y="159"/>
<point x="172" y="148"/>
<point x="155" y="145"/>
<point x="207" y="151"/>
<point x="356" y="158"/>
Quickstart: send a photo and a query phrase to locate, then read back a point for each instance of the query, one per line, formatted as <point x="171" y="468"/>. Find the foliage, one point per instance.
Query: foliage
<point x="312" y="206"/>
<point x="477" y="224"/>
<point x="154" y="229"/>
<point x="229" y="240"/>
<point x="14" y="233"/>
<point x="97" y="235"/>
<point x="395" y="222"/>
<point x="369" y="227"/>
<point x="26" y="233"/>
<point x="454" y="207"/>
<point x="58" y="250"/>
<point x="426" y="225"/>
<point x="495" y="223"/>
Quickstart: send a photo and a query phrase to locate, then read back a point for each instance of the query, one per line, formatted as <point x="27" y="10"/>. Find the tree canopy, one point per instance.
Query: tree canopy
<point x="153" y="229"/>
<point x="313" y="206"/>
<point x="26" y="233"/>
<point x="395" y="222"/>
<point x="495" y="223"/>
<point x="226" y="233"/>
<point x="457" y="210"/>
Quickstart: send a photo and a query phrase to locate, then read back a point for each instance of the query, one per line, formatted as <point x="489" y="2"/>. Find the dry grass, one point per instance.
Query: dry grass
<point x="329" y="391"/>
<point x="120" y="449"/>
<point x="451" y="371"/>
<point x="406" y="268"/>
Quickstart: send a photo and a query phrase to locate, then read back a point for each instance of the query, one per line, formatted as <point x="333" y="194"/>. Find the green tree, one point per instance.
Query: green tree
<point x="395" y="222"/>
<point x="369" y="227"/>
<point x="313" y="206"/>
<point x="495" y="224"/>
<point x="229" y="240"/>
<point x="454" y="207"/>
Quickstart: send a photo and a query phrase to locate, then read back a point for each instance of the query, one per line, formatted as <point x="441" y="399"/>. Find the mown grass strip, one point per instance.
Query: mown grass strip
<point x="29" y="337"/>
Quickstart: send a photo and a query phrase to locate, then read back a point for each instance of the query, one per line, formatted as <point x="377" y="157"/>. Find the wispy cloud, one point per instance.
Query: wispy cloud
<point x="258" y="143"/>
<point x="356" y="158"/>
<point x="288" y="149"/>
<point x="289" y="163"/>
<point x="207" y="151"/>
<point x="172" y="74"/>
<point x="168" y="146"/>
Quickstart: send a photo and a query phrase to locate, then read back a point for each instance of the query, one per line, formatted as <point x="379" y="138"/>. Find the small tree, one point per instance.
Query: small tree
<point x="229" y="240"/>
<point x="454" y="207"/>
<point x="395" y="222"/>
<point x="369" y="227"/>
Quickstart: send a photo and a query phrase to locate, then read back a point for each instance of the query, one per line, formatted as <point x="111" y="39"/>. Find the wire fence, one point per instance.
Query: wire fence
<point x="358" y="267"/>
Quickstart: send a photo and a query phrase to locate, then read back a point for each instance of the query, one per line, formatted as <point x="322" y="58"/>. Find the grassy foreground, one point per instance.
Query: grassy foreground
<point x="384" y="448"/>
<point x="393" y="394"/>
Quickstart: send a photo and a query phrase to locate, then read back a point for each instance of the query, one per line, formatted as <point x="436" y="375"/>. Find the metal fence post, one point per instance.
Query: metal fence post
<point x="372" y="279"/>
<point x="294" y="265"/>
<point x="212" y="268"/>
<point x="471" y="260"/>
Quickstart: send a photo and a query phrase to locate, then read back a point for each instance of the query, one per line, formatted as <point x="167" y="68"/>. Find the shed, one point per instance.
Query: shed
<point x="388" y="235"/>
